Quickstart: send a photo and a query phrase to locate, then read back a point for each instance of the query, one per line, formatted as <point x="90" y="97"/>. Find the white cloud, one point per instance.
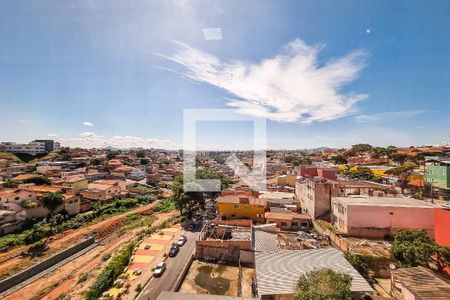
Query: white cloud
<point x="53" y="135"/>
<point x="292" y="86"/>
<point x="210" y="34"/>
<point x="26" y="121"/>
<point x="387" y="115"/>
<point x="92" y="140"/>
<point x="88" y="124"/>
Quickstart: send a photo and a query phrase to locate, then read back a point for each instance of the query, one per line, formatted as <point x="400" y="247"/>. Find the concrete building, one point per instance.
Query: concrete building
<point x="289" y="221"/>
<point x="314" y="194"/>
<point x="280" y="200"/>
<point x="378" y="217"/>
<point x="32" y="148"/>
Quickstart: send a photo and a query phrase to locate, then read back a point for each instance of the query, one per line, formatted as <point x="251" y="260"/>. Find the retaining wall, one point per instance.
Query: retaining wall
<point x="26" y="274"/>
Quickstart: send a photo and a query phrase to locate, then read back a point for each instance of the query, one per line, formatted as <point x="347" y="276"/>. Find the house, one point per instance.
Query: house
<point x="137" y="174"/>
<point x="102" y="190"/>
<point x="278" y="272"/>
<point x="76" y="182"/>
<point x="288" y="221"/>
<point x="419" y="283"/>
<point x="71" y="202"/>
<point x="280" y="200"/>
<point x="240" y="207"/>
<point x="378" y="217"/>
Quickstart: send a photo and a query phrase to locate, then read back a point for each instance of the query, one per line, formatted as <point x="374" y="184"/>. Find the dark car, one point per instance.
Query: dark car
<point x="174" y="250"/>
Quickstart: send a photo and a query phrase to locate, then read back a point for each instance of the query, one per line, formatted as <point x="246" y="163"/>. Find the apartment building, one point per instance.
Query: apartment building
<point x="315" y="193"/>
<point x="378" y="217"/>
<point x="102" y="190"/>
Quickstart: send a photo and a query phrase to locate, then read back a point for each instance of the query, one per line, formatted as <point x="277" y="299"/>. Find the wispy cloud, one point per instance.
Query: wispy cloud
<point x="292" y="86"/>
<point x="23" y="121"/>
<point x="88" y="124"/>
<point x="93" y="140"/>
<point x="387" y="115"/>
<point x="53" y="135"/>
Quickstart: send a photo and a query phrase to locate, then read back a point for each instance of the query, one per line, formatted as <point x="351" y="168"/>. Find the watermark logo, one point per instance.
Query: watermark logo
<point x="255" y="178"/>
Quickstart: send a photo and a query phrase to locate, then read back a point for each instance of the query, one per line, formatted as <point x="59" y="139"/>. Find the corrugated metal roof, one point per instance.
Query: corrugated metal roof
<point x="278" y="272"/>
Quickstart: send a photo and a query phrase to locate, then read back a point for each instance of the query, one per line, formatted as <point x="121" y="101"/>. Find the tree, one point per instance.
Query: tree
<point x="186" y="202"/>
<point x="144" y="161"/>
<point x="297" y="160"/>
<point x="52" y="201"/>
<point x="403" y="173"/>
<point x="141" y="153"/>
<point x="399" y="157"/>
<point x="413" y="248"/>
<point x="111" y="154"/>
<point x="323" y="284"/>
<point x="362" y="173"/>
<point x="339" y="159"/>
<point x="38" y="180"/>
<point x="360" y="148"/>
<point x="96" y="162"/>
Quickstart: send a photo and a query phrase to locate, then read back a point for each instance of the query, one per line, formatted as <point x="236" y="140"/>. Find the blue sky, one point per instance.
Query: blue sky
<point x="324" y="73"/>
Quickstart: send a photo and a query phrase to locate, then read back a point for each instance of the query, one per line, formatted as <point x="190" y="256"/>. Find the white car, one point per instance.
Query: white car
<point x="182" y="240"/>
<point x="159" y="270"/>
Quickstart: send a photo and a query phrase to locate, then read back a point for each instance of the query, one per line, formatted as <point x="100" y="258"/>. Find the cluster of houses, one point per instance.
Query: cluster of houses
<point x="269" y="230"/>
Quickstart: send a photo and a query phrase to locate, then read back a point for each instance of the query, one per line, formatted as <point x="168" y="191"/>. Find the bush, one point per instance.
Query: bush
<point x="165" y="205"/>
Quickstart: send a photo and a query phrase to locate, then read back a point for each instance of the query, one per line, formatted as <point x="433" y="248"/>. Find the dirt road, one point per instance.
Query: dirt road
<point x="76" y="276"/>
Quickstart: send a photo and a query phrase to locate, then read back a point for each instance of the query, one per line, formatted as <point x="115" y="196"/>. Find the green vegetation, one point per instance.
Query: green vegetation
<point x="297" y="160"/>
<point x="357" y="261"/>
<point x="116" y="266"/>
<point x="166" y="205"/>
<point x="29" y="204"/>
<point x="413" y="248"/>
<point x="11" y="184"/>
<point x="403" y="172"/>
<point x="38" y="180"/>
<point x="186" y="202"/>
<point x="361" y="173"/>
<point x="42" y="228"/>
<point x="142" y="189"/>
<point x="323" y="284"/>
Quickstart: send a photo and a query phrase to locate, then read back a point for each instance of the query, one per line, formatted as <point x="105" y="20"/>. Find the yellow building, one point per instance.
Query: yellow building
<point x="240" y="207"/>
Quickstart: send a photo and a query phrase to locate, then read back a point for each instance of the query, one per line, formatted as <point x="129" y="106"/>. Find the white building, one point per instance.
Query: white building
<point x="31" y="148"/>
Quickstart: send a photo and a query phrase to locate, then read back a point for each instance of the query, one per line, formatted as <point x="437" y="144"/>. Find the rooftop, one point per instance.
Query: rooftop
<point x="277" y="272"/>
<point x="424" y="283"/>
<point x="284" y="216"/>
<point x="384" y="201"/>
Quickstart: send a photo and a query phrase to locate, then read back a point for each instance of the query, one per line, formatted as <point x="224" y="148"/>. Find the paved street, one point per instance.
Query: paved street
<point x="174" y="268"/>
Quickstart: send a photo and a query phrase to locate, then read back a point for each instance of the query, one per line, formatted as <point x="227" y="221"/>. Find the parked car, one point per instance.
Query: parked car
<point x="181" y="241"/>
<point x="159" y="270"/>
<point x="174" y="250"/>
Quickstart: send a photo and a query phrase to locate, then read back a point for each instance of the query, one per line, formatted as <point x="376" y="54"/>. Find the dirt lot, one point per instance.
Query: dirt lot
<point x="75" y="277"/>
<point x="207" y="278"/>
<point x="12" y="262"/>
